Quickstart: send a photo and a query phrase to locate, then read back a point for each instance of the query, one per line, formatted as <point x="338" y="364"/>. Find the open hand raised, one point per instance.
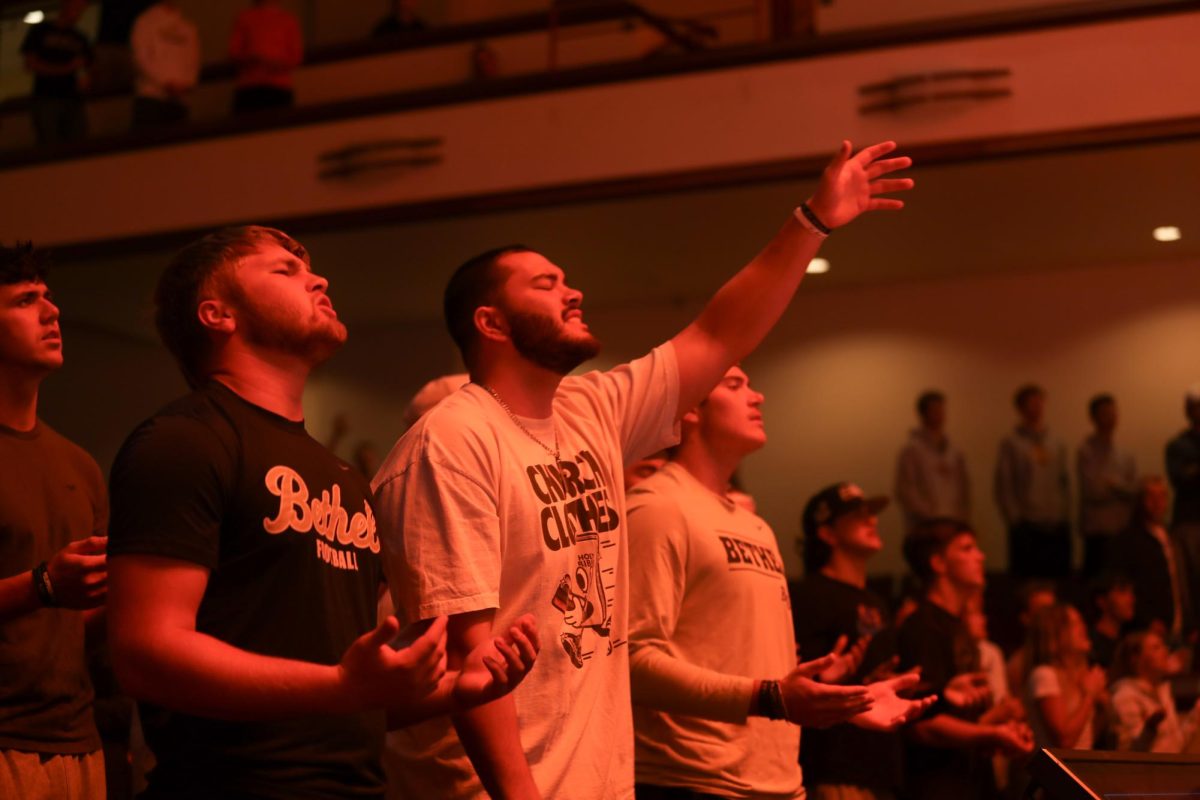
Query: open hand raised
<point x="820" y="704"/>
<point x="890" y="710"/>
<point x="850" y="184"/>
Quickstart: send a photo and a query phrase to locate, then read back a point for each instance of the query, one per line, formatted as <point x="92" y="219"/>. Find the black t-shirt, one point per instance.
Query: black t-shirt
<point x="51" y="494"/>
<point x="822" y="610"/>
<point x="288" y="534"/>
<point x="937" y="641"/>
<point x="57" y="46"/>
<point x="1104" y="648"/>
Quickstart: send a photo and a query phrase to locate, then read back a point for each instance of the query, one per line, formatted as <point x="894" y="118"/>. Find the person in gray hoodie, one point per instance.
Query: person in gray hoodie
<point x="1032" y="492"/>
<point x="931" y="473"/>
<point x="1108" y="485"/>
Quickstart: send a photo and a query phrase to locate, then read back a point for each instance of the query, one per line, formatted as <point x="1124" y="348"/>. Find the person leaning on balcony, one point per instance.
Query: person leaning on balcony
<point x="267" y="47"/>
<point x="57" y="55"/>
<point x="166" y="54"/>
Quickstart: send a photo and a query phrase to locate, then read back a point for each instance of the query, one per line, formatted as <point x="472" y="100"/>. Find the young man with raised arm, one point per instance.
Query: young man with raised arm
<point x="245" y="563"/>
<point x="718" y="696"/>
<point x="509" y="494"/>
<point x="53" y="513"/>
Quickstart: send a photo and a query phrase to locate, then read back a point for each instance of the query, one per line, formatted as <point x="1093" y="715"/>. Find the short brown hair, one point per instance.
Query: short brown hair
<point x="1024" y="393"/>
<point x="194" y="271"/>
<point x="1124" y="664"/>
<point x="929" y="539"/>
<point x="475" y="283"/>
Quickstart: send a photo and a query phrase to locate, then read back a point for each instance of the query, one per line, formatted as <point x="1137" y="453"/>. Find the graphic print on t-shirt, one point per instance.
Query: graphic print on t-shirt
<point x="869" y="621"/>
<point x="577" y="514"/>
<point x="301" y="513"/>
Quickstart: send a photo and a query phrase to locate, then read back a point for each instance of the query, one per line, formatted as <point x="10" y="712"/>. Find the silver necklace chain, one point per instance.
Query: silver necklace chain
<point x="517" y="421"/>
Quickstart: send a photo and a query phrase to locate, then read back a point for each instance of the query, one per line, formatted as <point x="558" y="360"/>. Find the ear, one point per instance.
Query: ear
<point x="217" y="315"/>
<point x="491" y="324"/>
<point x="691" y="417"/>
<point x="937" y="563"/>
<point x="825" y="534"/>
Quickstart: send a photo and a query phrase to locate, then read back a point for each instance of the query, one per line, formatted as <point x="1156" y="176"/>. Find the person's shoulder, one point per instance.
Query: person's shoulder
<point x="1043" y="677"/>
<point x="459" y="429"/>
<point x="194" y="423"/>
<point x="925" y="620"/>
<point x="816" y="586"/>
<point x="663" y="492"/>
<point x="1186" y="438"/>
<point x="588" y="381"/>
<point x="462" y="415"/>
<point x="1123" y="688"/>
<point x="71" y="451"/>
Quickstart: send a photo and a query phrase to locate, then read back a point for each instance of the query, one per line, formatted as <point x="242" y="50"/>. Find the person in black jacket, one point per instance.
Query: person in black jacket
<point x="1155" y="562"/>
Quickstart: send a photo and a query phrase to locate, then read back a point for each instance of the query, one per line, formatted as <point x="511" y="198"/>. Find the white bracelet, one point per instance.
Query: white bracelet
<point x="807" y="223"/>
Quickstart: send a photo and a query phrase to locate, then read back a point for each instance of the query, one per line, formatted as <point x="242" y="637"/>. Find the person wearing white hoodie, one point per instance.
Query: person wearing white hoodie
<point x="166" y="55"/>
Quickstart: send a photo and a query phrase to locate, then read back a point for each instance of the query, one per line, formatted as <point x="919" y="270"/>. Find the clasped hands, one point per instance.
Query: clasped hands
<point x="381" y="675"/>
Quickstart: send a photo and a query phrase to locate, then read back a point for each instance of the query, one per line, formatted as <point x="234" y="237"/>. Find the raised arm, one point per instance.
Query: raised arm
<point x="159" y="656"/>
<point x="745" y="309"/>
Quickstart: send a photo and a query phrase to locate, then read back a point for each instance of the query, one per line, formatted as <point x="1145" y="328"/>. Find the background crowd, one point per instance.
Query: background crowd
<point x="154" y="48"/>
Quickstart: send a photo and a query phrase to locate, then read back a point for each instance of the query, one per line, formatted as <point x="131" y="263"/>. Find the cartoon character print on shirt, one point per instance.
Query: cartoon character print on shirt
<point x="578" y="515"/>
<point x="869" y="622"/>
<point x="301" y="513"/>
<point x="583" y="602"/>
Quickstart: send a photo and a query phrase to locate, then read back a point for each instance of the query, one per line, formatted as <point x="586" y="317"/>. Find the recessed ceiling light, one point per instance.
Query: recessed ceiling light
<point x="817" y="266"/>
<point x="1167" y="233"/>
<point x="34" y="17"/>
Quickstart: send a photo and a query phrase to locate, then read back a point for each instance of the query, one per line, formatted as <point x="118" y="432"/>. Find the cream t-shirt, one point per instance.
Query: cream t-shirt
<point x="709" y="613"/>
<point x="474" y="515"/>
<point x="1045" y="681"/>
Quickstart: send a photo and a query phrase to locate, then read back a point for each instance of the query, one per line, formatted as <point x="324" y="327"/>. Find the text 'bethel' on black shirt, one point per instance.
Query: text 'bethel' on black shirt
<point x="845" y="755"/>
<point x="288" y="534"/>
<point x="57" y="46"/>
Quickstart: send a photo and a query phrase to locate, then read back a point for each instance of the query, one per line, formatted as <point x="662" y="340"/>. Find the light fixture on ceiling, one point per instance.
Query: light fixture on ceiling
<point x="818" y="266"/>
<point x="1167" y="233"/>
<point x="34" y="17"/>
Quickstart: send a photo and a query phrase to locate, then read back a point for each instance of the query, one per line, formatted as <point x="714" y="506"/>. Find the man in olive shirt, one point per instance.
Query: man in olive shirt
<point x="53" y="513"/>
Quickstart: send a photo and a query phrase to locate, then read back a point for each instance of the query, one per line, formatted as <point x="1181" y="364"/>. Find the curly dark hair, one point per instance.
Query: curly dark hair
<point x="22" y="263"/>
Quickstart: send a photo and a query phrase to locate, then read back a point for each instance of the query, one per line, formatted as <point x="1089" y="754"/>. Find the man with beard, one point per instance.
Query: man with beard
<point x="245" y="557"/>
<point x="509" y="495"/>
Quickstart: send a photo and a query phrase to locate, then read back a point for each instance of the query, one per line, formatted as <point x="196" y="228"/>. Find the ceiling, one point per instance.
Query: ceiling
<point x="1024" y="213"/>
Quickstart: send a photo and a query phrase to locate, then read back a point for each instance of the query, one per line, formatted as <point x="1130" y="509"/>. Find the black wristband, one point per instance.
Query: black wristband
<point x="812" y="217"/>
<point x="43" y="586"/>
<point x="770" y="700"/>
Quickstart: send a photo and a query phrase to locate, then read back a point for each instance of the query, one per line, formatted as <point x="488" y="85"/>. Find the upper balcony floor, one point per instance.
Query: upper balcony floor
<point x="603" y="99"/>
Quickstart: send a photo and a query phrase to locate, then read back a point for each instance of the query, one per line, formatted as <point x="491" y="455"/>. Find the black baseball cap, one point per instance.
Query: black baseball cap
<point x="824" y="507"/>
